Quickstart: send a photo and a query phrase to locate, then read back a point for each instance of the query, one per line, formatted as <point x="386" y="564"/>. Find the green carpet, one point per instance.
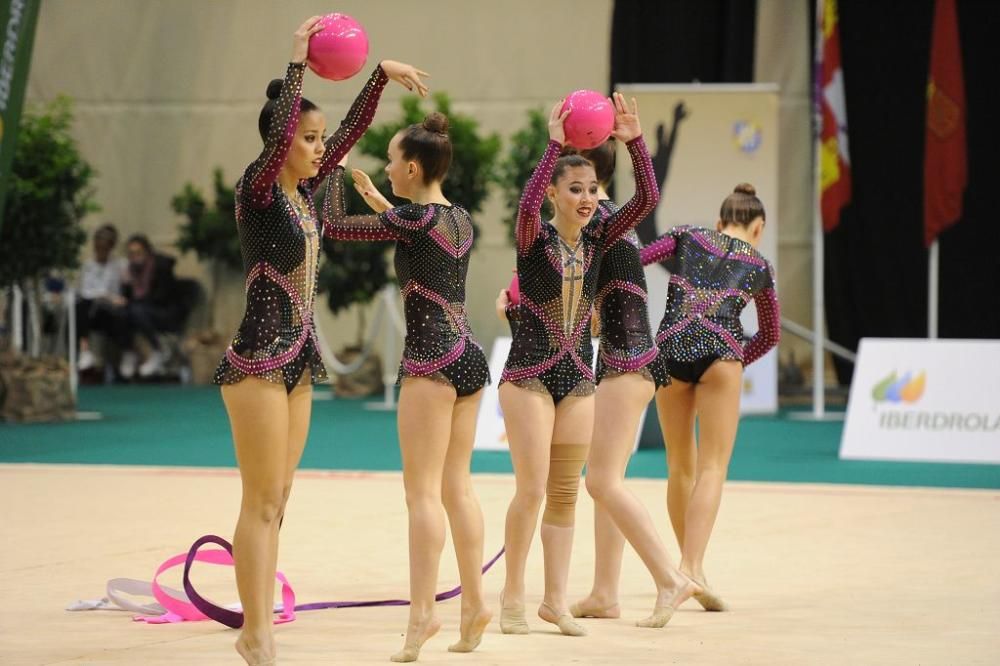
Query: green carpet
<point x="187" y="426"/>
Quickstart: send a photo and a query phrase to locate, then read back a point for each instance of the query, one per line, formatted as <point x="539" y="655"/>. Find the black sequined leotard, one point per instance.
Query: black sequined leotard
<point x="713" y="276"/>
<point x="627" y="344"/>
<point x="433" y="244"/>
<point x="280" y="243"/>
<point x="551" y="351"/>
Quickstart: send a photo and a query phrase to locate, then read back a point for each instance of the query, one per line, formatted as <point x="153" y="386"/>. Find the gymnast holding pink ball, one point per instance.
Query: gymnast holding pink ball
<point x="268" y="370"/>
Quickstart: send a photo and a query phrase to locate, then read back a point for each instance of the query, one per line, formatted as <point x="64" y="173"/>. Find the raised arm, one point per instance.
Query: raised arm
<point x="364" y="186"/>
<point x="529" y="210"/>
<point x="647" y="193"/>
<point x="529" y="218"/>
<point x="768" y="325"/>
<point x="362" y="111"/>
<point x="354" y="124"/>
<point x="660" y="249"/>
<point x="261" y="174"/>
<point x="338" y="225"/>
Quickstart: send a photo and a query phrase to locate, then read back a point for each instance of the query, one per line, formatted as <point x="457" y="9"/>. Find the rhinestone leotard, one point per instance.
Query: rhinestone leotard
<point x="551" y="351"/>
<point x="279" y="240"/>
<point x="433" y="245"/>
<point x="713" y="276"/>
<point x="627" y="344"/>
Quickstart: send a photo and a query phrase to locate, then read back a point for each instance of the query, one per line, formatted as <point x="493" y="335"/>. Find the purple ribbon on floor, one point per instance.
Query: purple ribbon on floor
<point x="234" y="619"/>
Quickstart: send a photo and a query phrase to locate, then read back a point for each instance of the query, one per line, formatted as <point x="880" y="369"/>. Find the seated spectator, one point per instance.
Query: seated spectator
<point x="151" y="306"/>
<point x="100" y="304"/>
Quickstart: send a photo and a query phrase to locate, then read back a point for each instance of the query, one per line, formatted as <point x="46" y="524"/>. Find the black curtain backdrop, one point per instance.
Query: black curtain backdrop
<point x="875" y="261"/>
<point x="680" y="41"/>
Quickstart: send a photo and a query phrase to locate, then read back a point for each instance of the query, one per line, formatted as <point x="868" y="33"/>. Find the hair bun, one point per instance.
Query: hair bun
<point x="745" y="188"/>
<point x="568" y="150"/>
<point x="274" y="88"/>
<point x="436" y="122"/>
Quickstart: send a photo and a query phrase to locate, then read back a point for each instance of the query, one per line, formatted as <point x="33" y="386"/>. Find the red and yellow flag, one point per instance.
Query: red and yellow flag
<point x="945" y="169"/>
<point x="835" y="162"/>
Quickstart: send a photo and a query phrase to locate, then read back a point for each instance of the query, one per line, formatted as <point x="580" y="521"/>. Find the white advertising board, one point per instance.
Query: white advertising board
<point x="924" y="400"/>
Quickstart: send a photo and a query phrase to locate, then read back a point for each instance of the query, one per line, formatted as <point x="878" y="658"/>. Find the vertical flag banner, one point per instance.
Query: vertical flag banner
<point x="835" y="162"/>
<point x="17" y="31"/>
<point x="945" y="169"/>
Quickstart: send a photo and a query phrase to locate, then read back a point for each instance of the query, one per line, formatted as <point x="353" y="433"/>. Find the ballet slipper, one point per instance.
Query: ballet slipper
<point x="472" y="635"/>
<point x="412" y="651"/>
<point x="661" y="615"/>
<point x="708" y="599"/>
<point x="564" y="621"/>
<point x="248" y="655"/>
<point x="611" y="611"/>
<point x="663" y="612"/>
<point x="512" y="620"/>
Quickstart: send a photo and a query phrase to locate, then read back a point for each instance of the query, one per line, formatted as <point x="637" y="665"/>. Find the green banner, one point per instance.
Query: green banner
<point x="17" y="32"/>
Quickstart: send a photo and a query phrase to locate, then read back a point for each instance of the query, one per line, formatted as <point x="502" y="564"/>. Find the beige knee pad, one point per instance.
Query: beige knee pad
<point x="565" y="465"/>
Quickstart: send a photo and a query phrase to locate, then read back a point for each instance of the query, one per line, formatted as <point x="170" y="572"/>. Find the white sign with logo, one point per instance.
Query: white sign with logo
<point x="924" y="400"/>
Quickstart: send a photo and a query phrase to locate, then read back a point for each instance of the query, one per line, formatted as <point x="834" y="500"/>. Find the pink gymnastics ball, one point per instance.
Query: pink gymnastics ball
<point x="514" y="291"/>
<point x="339" y="50"/>
<point x="591" y="119"/>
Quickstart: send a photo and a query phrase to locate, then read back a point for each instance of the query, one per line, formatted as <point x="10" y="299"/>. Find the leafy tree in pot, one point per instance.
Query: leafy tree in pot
<point x="50" y="192"/>
<point x="210" y="231"/>
<point x="526" y="146"/>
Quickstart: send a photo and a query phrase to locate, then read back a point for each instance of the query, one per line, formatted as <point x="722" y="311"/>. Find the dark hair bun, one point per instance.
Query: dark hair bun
<point x="436" y="122"/>
<point x="568" y="150"/>
<point x="745" y="188"/>
<point x="274" y="88"/>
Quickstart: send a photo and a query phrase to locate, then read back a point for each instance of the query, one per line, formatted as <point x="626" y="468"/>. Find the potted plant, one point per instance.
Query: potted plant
<point x="49" y="193"/>
<point x="474" y="157"/>
<point x="526" y="147"/>
<point x="209" y="231"/>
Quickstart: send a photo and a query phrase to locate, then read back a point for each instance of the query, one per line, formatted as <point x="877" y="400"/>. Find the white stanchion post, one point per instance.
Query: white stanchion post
<point x="325" y="353"/>
<point x="932" y="291"/>
<point x="74" y="373"/>
<point x="74" y="379"/>
<point x="395" y="327"/>
<point x="819" y="374"/>
<point x="819" y="341"/>
<point x="17" y="319"/>
<point x="819" y="370"/>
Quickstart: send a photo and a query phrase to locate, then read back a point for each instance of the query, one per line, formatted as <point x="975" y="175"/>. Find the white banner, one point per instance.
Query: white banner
<point x="491" y="434"/>
<point x="924" y="400"/>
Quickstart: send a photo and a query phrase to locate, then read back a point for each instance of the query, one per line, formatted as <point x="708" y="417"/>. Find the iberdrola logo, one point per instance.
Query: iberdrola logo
<point x="900" y="389"/>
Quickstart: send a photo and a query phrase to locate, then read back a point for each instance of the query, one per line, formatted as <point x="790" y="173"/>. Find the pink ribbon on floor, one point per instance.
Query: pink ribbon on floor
<point x="189" y="606"/>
